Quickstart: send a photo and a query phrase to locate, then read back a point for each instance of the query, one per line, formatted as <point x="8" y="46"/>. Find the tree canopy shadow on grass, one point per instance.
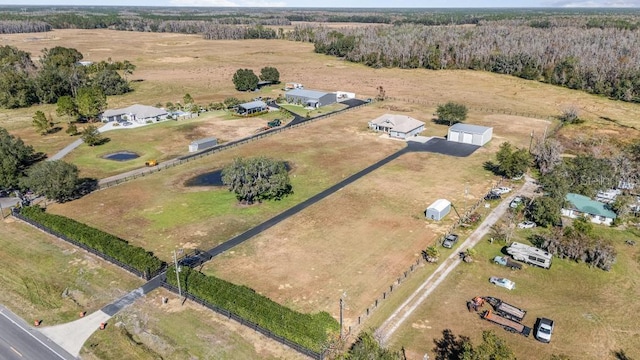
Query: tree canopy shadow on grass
<point x="621" y="355"/>
<point x="493" y="167"/>
<point x="37" y="157"/>
<point x="84" y="187"/>
<point x="451" y="346"/>
<point x="439" y="121"/>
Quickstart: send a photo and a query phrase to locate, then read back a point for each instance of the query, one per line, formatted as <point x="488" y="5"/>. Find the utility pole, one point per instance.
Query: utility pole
<point x="531" y="141"/>
<point x="175" y="260"/>
<point x="341" y="310"/>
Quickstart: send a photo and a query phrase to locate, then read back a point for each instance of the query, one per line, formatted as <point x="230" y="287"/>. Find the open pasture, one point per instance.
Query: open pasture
<point x="159" y="213"/>
<point x="595" y="311"/>
<point x="360" y="239"/>
<point x="170" y="65"/>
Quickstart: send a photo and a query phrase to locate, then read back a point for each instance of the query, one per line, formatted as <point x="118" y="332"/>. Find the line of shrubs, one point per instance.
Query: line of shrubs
<point x="311" y="331"/>
<point x="110" y="245"/>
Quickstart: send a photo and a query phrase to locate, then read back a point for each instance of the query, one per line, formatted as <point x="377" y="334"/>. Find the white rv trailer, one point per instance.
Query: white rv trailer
<point x="530" y="255"/>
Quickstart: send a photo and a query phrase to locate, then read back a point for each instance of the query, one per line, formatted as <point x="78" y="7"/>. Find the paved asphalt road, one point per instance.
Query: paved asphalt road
<point x="18" y="341"/>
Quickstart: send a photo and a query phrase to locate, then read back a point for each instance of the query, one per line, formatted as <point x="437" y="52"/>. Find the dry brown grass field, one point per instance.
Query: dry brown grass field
<point x="361" y="238"/>
<point x="170" y="65"/>
<point x="305" y="262"/>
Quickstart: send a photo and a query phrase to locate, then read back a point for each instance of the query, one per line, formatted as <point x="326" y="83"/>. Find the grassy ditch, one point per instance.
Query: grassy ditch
<point x="50" y="279"/>
<point x="311" y="331"/>
<point x="107" y="244"/>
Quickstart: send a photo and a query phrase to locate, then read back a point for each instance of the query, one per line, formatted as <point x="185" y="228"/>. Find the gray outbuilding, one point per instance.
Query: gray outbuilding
<point x="310" y="98"/>
<point x="252" y="107"/>
<point x="470" y="134"/>
<point x="438" y="210"/>
<point x="203" y="144"/>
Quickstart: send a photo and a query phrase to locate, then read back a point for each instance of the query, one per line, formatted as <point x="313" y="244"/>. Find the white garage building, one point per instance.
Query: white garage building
<point x="470" y="134"/>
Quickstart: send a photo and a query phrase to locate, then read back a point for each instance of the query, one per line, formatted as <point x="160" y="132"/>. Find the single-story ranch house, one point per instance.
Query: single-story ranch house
<point x="252" y="107"/>
<point x="580" y="205"/>
<point x="138" y="113"/>
<point x="470" y="134"/>
<point x="310" y="98"/>
<point x="397" y="126"/>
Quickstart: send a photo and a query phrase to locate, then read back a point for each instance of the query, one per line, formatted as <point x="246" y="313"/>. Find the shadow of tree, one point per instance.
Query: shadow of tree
<point x="451" y="346"/>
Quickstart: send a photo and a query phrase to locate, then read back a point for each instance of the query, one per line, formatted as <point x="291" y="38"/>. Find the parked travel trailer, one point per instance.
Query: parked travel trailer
<point x="530" y="255"/>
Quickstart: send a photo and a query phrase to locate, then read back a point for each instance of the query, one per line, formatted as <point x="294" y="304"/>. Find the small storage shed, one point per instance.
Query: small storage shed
<point x="203" y="144"/>
<point x="470" y="134"/>
<point x="438" y="210"/>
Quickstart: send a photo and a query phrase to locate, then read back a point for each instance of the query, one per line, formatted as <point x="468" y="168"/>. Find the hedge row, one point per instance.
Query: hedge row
<point x="311" y="331"/>
<point x="110" y="245"/>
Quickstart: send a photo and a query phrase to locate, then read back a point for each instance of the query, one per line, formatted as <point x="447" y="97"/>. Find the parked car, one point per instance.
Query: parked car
<point x="515" y="202"/>
<point x="501" y="190"/>
<point x="450" y="240"/>
<point x="526" y="225"/>
<point x="492" y="196"/>
<point x="544" y="329"/>
<point x="4" y="193"/>
<point x="502" y="282"/>
<point x="518" y="177"/>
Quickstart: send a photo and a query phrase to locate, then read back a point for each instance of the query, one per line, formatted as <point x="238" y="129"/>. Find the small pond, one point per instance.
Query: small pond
<point x="214" y="178"/>
<point x="122" y="156"/>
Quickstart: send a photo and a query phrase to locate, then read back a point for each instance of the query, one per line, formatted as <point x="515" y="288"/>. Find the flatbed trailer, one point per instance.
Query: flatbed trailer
<point x="509" y="325"/>
<point x="504" y="309"/>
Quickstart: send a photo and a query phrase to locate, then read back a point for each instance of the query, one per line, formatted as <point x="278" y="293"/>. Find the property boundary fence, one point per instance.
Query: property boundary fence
<point x="226" y="146"/>
<point x="147" y="275"/>
<point x="413" y="266"/>
<point x="482" y="109"/>
<point x="301" y="349"/>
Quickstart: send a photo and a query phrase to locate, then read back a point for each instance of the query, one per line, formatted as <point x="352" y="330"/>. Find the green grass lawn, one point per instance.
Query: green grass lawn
<point x="595" y="311"/>
<point x="152" y="330"/>
<point x="47" y="278"/>
<point x="160" y="141"/>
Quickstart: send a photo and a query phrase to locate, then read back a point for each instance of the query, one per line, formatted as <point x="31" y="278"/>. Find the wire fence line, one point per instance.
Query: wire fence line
<point x="353" y="329"/>
<point x="228" y="314"/>
<point x="222" y="147"/>
<point x="481" y="109"/>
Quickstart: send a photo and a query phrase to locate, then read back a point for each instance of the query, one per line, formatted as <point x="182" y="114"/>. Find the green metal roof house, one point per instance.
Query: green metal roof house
<point x="580" y="205"/>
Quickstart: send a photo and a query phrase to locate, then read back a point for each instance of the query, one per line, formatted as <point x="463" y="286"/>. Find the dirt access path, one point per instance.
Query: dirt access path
<point x="398" y="317"/>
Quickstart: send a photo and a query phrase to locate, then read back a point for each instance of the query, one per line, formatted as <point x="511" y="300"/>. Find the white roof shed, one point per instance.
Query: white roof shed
<point x="438" y="210"/>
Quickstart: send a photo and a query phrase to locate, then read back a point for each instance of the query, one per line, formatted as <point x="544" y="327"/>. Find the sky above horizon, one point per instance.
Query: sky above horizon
<point x="343" y="3"/>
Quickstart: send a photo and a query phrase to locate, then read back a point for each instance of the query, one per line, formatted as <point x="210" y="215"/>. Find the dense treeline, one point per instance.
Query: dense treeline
<point x="234" y="32"/>
<point x="309" y="330"/>
<point x="57" y="74"/>
<point x="600" y="61"/>
<point x="105" y="243"/>
<point x="17" y="27"/>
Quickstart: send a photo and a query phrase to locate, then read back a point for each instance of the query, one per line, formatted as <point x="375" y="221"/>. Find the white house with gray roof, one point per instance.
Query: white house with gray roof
<point x="470" y="134"/>
<point x="137" y="113"/>
<point x="397" y="126"/>
<point x="310" y="98"/>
